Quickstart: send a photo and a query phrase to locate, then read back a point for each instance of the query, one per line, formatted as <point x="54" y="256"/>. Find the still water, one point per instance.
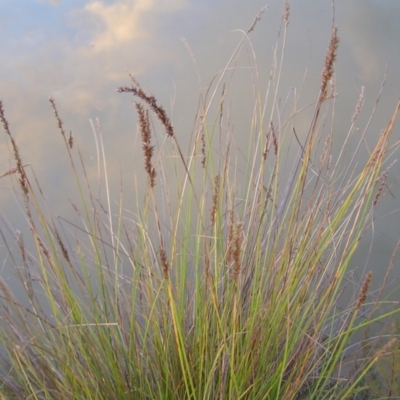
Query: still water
<point x="79" y="52"/>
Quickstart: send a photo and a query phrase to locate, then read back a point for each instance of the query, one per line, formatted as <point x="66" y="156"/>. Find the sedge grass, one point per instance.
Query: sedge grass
<point x="225" y="286"/>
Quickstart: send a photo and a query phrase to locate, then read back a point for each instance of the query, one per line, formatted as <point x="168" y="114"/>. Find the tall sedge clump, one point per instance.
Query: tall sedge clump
<point x="224" y="280"/>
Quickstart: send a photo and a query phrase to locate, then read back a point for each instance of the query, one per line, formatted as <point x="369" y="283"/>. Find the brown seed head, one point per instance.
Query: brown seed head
<point x="362" y="295"/>
<point x="164" y="262"/>
<point x="237" y="251"/>
<point x="144" y="123"/>
<point x="329" y="61"/>
<point x="152" y="103"/>
<point x="214" y="200"/>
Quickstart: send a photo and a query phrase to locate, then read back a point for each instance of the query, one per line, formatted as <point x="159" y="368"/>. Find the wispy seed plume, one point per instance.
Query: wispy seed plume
<point x="256" y="19"/>
<point x="286" y="13"/>
<point x="359" y="105"/>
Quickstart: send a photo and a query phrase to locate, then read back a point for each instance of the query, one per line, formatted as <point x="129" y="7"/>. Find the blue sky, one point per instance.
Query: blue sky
<point x="143" y="34"/>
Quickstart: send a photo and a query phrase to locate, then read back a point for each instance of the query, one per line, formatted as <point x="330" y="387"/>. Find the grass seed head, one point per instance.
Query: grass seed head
<point x="214" y="200"/>
<point x="164" y="261"/>
<point x="152" y="103"/>
<point x="329" y="61"/>
<point x="362" y="295"/>
<point x="144" y="123"/>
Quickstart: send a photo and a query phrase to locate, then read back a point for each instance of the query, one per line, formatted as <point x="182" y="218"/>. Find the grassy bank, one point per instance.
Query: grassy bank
<point x="223" y="281"/>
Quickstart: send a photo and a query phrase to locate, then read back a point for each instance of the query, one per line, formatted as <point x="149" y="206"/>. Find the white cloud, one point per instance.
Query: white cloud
<point x="110" y="38"/>
<point x="126" y="21"/>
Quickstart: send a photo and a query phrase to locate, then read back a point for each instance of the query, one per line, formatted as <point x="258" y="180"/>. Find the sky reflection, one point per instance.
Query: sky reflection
<point x="79" y="52"/>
